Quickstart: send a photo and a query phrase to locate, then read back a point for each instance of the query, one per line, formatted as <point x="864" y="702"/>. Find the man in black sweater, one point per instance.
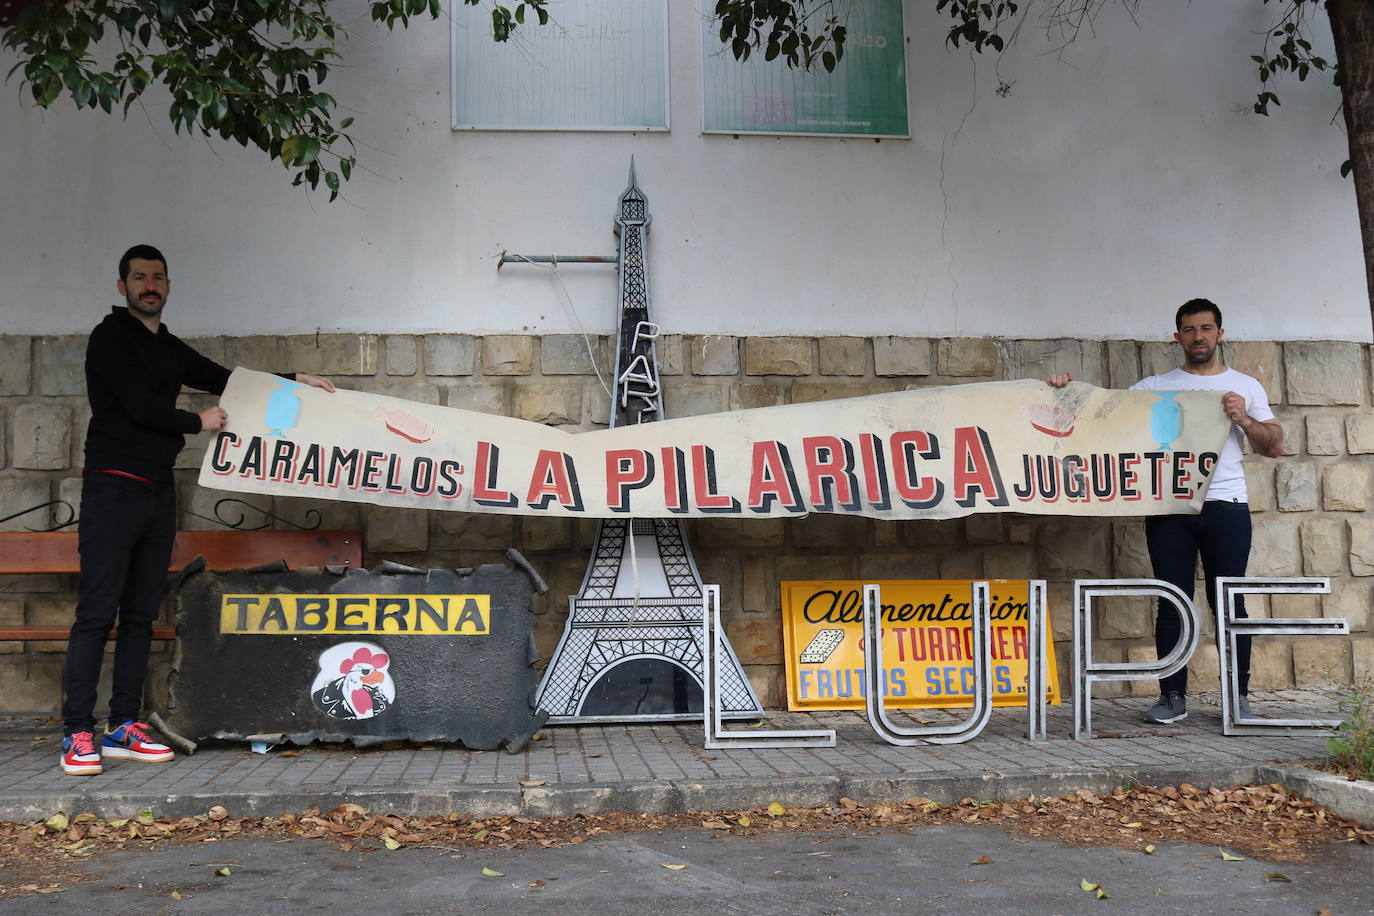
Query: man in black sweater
<point x="135" y="368"/>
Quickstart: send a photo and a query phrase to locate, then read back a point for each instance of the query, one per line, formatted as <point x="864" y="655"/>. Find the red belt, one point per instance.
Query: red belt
<point x="120" y="474"/>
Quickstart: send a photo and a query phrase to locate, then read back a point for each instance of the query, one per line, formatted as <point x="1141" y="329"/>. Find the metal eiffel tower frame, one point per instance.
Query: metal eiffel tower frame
<point x="640" y="603"/>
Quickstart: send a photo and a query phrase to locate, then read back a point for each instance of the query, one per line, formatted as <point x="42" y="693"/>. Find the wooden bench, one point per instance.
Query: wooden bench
<point x="46" y="552"/>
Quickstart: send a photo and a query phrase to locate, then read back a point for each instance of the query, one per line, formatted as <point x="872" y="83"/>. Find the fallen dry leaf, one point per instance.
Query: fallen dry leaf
<point x="981" y="860"/>
<point x="671" y="866"/>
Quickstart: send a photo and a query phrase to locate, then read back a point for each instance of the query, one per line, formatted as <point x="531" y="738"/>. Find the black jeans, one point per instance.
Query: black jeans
<point x="1220" y="534"/>
<point x="125" y="539"/>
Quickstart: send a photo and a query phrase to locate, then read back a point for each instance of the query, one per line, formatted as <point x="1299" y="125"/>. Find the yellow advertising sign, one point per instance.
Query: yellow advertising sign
<point x="927" y="642"/>
<point x="367" y="615"/>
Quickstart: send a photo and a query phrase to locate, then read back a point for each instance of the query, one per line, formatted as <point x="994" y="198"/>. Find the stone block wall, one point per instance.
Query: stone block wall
<point x="1309" y="507"/>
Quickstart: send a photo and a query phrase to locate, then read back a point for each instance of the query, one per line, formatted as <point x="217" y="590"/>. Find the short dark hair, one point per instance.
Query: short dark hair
<point x="1193" y="307"/>
<point x="142" y="253"/>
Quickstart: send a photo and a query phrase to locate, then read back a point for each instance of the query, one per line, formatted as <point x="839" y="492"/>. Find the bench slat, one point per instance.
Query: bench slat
<point x="29" y="552"/>
<point x="61" y="633"/>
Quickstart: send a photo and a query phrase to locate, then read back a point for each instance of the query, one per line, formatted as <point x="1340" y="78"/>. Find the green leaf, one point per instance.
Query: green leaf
<point x="290" y="148"/>
<point x="1346" y="168"/>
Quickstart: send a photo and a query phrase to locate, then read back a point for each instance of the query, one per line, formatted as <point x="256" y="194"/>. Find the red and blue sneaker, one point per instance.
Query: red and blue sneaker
<point x="79" y="756"/>
<point x="133" y="742"/>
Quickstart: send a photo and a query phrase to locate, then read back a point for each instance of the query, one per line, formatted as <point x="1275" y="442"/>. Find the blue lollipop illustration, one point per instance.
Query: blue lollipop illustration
<point x="283" y="407"/>
<point x="1166" y="419"/>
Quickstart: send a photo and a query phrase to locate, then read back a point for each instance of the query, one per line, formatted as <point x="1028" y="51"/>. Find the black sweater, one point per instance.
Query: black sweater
<point x="133" y="377"/>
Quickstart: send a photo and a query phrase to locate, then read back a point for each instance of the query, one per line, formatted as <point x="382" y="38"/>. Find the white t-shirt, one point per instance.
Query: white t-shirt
<point x="1228" y="481"/>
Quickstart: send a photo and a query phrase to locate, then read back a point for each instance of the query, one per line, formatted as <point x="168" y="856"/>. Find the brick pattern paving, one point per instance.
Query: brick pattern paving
<point x="636" y="755"/>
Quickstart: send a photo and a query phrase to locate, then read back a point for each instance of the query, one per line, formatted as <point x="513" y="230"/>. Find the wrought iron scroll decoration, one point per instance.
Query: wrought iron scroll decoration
<point x="268" y="517"/>
<point x="71" y="512"/>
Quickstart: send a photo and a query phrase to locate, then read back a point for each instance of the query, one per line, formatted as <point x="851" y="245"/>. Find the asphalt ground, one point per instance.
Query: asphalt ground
<point x="665" y="767"/>
<point x="947" y="869"/>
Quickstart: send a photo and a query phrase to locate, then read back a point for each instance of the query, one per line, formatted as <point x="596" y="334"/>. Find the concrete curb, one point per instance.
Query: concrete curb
<point x="1352" y="799"/>
<point x="1349" y="799"/>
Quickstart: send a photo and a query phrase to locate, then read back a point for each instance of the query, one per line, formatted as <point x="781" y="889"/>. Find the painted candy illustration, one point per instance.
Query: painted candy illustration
<point x="1051" y="419"/>
<point x="407" y="426"/>
<point x="1166" y="419"/>
<point x="353" y="681"/>
<point x="283" y="407"/>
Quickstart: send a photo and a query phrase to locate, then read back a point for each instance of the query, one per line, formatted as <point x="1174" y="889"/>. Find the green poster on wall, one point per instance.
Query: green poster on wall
<point x="865" y="96"/>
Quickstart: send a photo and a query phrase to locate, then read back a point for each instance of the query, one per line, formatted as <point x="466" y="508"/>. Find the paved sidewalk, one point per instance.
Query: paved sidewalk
<point x="656" y="768"/>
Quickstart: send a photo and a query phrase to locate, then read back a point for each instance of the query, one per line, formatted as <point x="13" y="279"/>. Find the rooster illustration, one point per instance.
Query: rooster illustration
<point x="362" y="689"/>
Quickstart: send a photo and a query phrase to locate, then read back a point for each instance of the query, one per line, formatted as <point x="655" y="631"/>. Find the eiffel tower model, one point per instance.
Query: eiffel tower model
<point x="631" y="650"/>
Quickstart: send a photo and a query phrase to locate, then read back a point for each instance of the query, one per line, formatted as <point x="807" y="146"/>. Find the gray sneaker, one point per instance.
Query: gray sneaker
<point x="1244" y="704"/>
<point x="1170" y="708"/>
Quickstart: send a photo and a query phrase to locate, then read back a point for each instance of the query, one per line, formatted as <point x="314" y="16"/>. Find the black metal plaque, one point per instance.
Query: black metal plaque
<point x="366" y="657"/>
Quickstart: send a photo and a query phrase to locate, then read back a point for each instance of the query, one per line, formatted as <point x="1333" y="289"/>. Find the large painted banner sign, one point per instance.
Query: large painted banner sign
<point x="927" y="644"/>
<point x="927" y="453"/>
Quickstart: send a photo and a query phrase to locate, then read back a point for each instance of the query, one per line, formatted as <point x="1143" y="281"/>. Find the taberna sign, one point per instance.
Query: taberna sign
<point x="390" y="615"/>
<point x="927" y="647"/>
<point x="925" y="453"/>
<point x="311" y="655"/>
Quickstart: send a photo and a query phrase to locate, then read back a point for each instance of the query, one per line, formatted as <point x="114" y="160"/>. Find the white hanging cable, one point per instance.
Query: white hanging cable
<point x="591" y="356"/>
<point x="634" y="566"/>
<point x="572" y="310"/>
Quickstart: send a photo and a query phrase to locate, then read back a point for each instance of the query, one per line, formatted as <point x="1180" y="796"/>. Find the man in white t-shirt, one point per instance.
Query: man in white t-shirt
<point x="1220" y="533"/>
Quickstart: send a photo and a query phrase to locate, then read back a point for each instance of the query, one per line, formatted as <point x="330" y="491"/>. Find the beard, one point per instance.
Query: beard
<point x="1200" y="356"/>
<point x="149" y="308"/>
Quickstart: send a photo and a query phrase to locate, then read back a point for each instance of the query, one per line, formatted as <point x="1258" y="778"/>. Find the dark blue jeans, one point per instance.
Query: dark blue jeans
<point x="1220" y="535"/>
<point x="125" y="538"/>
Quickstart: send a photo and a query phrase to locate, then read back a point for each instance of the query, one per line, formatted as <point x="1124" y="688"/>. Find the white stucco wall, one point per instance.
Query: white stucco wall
<point x="1104" y="189"/>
